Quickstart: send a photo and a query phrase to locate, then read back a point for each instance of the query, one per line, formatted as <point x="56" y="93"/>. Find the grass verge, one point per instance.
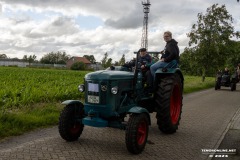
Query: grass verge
<point x="18" y="122"/>
<point x="193" y="84"/>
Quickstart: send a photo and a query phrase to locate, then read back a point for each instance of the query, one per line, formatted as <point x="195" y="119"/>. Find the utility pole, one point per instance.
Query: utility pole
<point x="146" y="9"/>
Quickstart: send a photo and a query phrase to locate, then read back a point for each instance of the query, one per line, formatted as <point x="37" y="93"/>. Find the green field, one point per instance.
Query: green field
<point x="30" y="98"/>
<point x="26" y="86"/>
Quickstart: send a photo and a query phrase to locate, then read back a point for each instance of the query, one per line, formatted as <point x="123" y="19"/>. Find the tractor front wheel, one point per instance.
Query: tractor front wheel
<point x="70" y="126"/>
<point x="233" y="86"/>
<point x="216" y="86"/>
<point x="137" y="133"/>
<point x="169" y="103"/>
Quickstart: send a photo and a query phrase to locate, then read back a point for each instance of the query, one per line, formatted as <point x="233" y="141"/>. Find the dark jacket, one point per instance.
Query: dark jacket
<point x="171" y="51"/>
<point x="146" y="60"/>
<point x="226" y="72"/>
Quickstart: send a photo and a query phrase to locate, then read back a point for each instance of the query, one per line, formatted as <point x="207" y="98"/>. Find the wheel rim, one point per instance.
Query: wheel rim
<point x="141" y="132"/>
<point x="175" y="104"/>
<point x="75" y="128"/>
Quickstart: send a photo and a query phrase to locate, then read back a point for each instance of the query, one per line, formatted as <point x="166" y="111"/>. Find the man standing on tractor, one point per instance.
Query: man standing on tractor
<point x="170" y="55"/>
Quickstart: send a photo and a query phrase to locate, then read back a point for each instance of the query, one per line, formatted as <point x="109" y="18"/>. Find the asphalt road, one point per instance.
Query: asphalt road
<point x="208" y="122"/>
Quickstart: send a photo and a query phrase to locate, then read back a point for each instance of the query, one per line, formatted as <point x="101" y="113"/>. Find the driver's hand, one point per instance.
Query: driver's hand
<point x="161" y="60"/>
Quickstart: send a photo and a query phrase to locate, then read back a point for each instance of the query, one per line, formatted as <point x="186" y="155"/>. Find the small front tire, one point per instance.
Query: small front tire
<point x="233" y="86"/>
<point x="137" y="133"/>
<point x="70" y="126"/>
<point x="216" y="86"/>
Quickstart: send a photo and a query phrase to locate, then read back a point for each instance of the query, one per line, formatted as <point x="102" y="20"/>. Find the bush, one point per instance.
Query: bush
<point x="78" y="66"/>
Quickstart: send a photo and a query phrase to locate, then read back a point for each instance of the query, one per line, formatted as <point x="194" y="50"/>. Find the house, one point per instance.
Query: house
<point x="78" y="59"/>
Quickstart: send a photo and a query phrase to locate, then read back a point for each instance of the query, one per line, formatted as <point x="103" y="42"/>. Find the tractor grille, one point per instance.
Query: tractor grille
<point x="96" y="92"/>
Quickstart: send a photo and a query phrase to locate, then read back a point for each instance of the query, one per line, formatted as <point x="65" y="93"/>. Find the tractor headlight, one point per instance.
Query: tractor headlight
<point x="114" y="90"/>
<point x="81" y="88"/>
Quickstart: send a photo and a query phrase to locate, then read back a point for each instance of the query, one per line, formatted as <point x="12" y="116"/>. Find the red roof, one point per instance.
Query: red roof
<point x="80" y="59"/>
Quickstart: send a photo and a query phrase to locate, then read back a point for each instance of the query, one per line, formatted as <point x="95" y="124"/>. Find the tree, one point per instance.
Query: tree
<point x="116" y="63"/>
<point x="3" y="56"/>
<point x="122" y="60"/>
<point x="91" y="58"/>
<point x="78" y="66"/>
<point x="55" y="58"/>
<point x="211" y="35"/>
<point x="29" y="59"/>
<point x="104" y="60"/>
<point x="187" y="62"/>
<point x="234" y="59"/>
<point x="109" y="63"/>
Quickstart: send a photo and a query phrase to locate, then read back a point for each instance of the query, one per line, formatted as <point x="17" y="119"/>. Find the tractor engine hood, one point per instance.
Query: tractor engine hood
<point x="109" y="75"/>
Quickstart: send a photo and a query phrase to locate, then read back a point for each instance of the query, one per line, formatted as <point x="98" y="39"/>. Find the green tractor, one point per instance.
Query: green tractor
<point x="116" y="98"/>
<point x="226" y="80"/>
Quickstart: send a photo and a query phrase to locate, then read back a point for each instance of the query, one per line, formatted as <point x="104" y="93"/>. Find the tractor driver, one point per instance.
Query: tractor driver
<point x="146" y="61"/>
<point x="226" y="71"/>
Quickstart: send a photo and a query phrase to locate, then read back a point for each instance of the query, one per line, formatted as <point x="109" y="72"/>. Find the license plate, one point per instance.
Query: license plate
<point x="93" y="99"/>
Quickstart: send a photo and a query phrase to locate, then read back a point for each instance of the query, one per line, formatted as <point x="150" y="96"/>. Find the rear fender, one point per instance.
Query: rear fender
<point x="161" y="72"/>
<point x="139" y="110"/>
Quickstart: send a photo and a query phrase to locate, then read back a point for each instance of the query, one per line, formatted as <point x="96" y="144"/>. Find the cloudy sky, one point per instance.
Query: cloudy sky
<point x="94" y="27"/>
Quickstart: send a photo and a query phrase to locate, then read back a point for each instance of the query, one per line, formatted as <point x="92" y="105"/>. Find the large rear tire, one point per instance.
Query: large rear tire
<point x="169" y="103"/>
<point x="70" y="126"/>
<point x="137" y="133"/>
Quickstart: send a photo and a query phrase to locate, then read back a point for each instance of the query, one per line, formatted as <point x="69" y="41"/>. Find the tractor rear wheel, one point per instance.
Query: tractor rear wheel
<point x="169" y="103"/>
<point x="137" y="133"/>
<point x="70" y="126"/>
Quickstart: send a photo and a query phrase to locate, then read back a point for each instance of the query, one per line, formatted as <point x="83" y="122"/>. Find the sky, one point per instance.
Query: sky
<point x="94" y="27"/>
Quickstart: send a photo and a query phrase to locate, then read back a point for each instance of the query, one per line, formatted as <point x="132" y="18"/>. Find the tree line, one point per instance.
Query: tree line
<point x="62" y="58"/>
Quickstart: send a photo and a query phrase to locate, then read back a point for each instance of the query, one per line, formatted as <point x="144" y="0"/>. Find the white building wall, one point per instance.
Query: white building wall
<point x="25" y="64"/>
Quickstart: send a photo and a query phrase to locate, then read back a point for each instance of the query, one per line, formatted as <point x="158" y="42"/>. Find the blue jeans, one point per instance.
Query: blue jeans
<point x="161" y="64"/>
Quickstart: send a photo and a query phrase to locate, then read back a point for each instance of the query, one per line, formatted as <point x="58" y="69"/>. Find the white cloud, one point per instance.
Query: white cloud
<point x="0" y="9"/>
<point x="36" y="27"/>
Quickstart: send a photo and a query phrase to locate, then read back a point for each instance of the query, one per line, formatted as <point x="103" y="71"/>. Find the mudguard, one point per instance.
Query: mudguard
<point x="139" y="110"/>
<point x="168" y="70"/>
<point x="164" y="71"/>
<point x="67" y="102"/>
